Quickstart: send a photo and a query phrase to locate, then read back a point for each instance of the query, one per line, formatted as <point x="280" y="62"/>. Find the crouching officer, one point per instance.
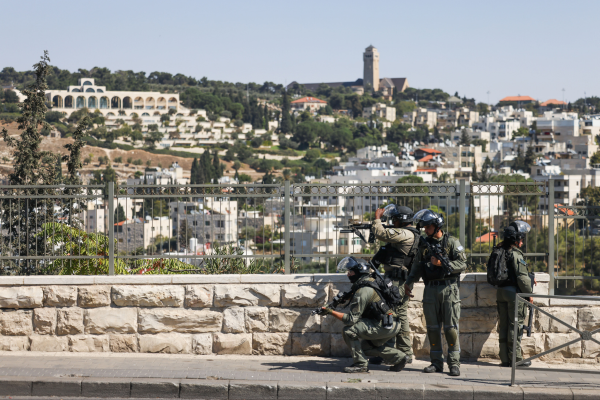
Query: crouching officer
<point x="365" y="333"/>
<point x="397" y="258"/>
<point x="518" y="281"/>
<point x="441" y="298"/>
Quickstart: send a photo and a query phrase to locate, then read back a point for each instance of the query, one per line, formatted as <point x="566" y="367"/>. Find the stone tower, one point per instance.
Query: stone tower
<point x="371" y="68"/>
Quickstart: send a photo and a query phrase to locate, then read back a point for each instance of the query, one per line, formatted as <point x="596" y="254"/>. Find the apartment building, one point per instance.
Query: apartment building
<point x="380" y="110"/>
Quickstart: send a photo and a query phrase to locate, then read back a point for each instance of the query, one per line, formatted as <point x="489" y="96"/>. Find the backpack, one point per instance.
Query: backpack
<point x="497" y="268"/>
<point x="385" y="288"/>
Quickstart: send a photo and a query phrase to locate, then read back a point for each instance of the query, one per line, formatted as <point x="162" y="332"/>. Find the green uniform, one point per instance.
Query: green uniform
<point x="402" y="240"/>
<point x="441" y="300"/>
<point x="366" y="336"/>
<point x="505" y="300"/>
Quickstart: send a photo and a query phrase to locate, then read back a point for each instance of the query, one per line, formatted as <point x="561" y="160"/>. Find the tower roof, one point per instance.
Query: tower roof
<point x="371" y="47"/>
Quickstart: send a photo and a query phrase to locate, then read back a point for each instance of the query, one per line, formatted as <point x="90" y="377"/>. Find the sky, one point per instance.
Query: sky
<point x="507" y="48"/>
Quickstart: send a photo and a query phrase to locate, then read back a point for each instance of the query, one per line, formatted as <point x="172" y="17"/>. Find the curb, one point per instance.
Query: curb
<point x="267" y="390"/>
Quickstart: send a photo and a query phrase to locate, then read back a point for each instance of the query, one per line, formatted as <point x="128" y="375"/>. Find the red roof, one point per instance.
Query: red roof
<point x="428" y="157"/>
<point x="426" y="170"/>
<point x="430" y="151"/>
<point x="308" y="100"/>
<point x="518" y="98"/>
<point x="564" y="210"/>
<point x="487" y="238"/>
<point x="553" y="101"/>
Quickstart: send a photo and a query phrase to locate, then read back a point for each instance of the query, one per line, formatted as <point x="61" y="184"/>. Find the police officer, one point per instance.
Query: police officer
<point x="519" y="282"/>
<point x="364" y="332"/>
<point x="402" y="241"/>
<point x="441" y="298"/>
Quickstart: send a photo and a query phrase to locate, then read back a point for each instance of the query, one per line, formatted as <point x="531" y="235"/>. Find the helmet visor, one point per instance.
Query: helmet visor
<point x="346" y="264"/>
<point x="521" y="227"/>
<point x="389" y="211"/>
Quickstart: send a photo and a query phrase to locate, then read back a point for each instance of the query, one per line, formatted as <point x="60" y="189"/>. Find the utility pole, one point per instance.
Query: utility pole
<point x="563" y="90"/>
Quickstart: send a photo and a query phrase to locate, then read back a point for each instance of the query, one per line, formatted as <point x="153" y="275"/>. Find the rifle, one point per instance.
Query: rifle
<point x="527" y="327"/>
<point x="357" y="228"/>
<point x="341" y="297"/>
<point x="435" y="250"/>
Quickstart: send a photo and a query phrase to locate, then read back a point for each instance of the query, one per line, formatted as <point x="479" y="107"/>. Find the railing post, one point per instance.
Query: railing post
<point x="551" y="236"/>
<point x="287" y="215"/>
<point x="461" y="210"/>
<point x="111" y="228"/>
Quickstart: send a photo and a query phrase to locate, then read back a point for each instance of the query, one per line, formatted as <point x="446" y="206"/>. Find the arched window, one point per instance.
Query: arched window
<point x="127" y="102"/>
<point x="92" y="102"/>
<point x="115" y="102"/>
<point x="76" y="90"/>
<point x="99" y="91"/>
<point x="90" y="90"/>
<point x="161" y="103"/>
<point x="110" y="114"/>
<point x="57" y="101"/>
<point x="145" y="114"/>
<point x="69" y="102"/>
<point x="150" y="103"/>
<point x="104" y="102"/>
<point x="138" y="103"/>
<point x="87" y="83"/>
<point x="156" y="113"/>
<point x="80" y="102"/>
<point x="173" y="103"/>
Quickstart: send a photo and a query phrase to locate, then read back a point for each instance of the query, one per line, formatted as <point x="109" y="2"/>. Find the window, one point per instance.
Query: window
<point x="343" y="242"/>
<point x="220" y="236"/>
<point x="207" y="236"/>
<point x="356" y="241"/>
<point x="206" y="223"/>
<point x="194" y="223"/>
<point x="220" y="224"/>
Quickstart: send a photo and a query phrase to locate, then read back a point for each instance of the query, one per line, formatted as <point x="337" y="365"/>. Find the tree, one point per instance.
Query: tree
<point x="10" y="97"/>
<point x="120" y="214"/>
<point x="244" y="178"/>
<point x="305" y="133"/>
<point x="530" y="158"/>
<point x="154" y="137"/>
<point x="465" y="140"/>
<point x="410" y="179"/>
<point x="286" y="122"/>
<point x="312" y="155"/>
<point x="595" y="159"/>
<point x="520" y="132"/>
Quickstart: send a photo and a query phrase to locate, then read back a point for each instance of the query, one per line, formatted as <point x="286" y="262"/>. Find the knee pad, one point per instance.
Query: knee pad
<point x="451" y="333"/>
<point x="350" y="333"/>
<point x="435" y="338"/>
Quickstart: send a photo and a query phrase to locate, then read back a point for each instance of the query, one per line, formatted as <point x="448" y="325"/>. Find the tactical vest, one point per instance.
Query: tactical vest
<point x="425" y="259"/>
<point x="377" y="308"/>
<point x="390" y="255"/>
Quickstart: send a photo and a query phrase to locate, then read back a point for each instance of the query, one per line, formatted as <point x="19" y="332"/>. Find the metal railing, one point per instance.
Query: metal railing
<point x="284" y="227"/>
<point x="583" y="334"/>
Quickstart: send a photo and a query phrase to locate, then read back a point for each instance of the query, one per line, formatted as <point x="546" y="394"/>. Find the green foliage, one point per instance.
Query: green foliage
<point x="595" y="159"/>
<point x="410" y="179"/>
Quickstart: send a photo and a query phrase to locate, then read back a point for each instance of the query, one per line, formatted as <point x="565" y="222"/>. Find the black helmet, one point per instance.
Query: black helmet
<point x="516" y="231"/>
<point x="359" y="266"/>
<point x="426" y="217"/>
<point x="401" y="213"/>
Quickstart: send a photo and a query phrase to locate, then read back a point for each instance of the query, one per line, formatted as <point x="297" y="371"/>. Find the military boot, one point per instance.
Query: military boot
<point x="376" y="360"/>
<point x="354" y="369"/>
<point x="432" y="368"/>
<point x="400" y="366"/>
<point x="454" y="371"/>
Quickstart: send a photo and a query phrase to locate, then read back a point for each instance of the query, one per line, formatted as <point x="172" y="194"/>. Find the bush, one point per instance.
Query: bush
<point x="118" y="160"/>
<point x="129" y="160"/>
<point x="138" y="162"/>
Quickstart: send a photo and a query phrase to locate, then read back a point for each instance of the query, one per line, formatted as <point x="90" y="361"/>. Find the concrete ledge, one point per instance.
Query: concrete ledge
<point x="497" y="393"/>
<point x="276" y="278"/>
<point x="15" y="386"/>
<point x="392" y="391"/>
<point x="584" y="394"/>
<point x="348" y="391"/>
<point x="148" y="387"/>
<point x="302" y="390"/>
<point x="547" y="394"/>
<point x="203" y="389"/>
<point x="63" y="387"/>
<point x="106" y="387"/>
<point x="252" y="390"/>
<point x="448" y="392"/>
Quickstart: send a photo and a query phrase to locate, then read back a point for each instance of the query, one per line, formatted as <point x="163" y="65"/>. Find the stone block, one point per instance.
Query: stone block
<point x="417" y="293"/>
<point x="123" y="343"/>
<point x="225" y="279"/>
<point x="293" y="320"/>
<point x="478" y="320"/>
<point x="252" y="390"/>
<point x="541" y="288"/>
<point x="276" y="278"/>
<point x="16" y="322"/>
<point x="199" y="295"/>
<point x="257" y="319"/>
<point x="169" y="343"/>
<point x="339" y="348"/>
<point x="12" y="386"/>
<point x="331" y="324"/>
<point x="63" y="387"/>
<point x="110" y="320"/>
<point x="394" y="391"/>
<point x="106" y="387"/>
<point x="420" y="345"/>
<point x="148" y="296"/>
<point x="21" y="297"/>
<point x="557" y="339"/>
<point x="497" y="393"/>
<point x="202" y="343"/>
<point x="533" y="345"/>
<point x="302" y="390"/>
<point x="231" y="343"/>
<point x="311" y="344"/>
<point x="468" y="295"/>
<point x="154" y="388"/>
<point x="93" y="296"/>
<point x="247" y="295"/>
<point x="485" y="345"/>
<point x="69" y="321"/>
<point x="88" y="343"/>
<point x="163" y="320"/>
<point x="486" y="295"/>
<point x="60" y="296"/>
<point x="544" y="323"/>
<point x="44" y="321"/>
<point x="588" y="318"/>
<point x="335" y="288"/>
<point x="234" y="320"/>
<point x="347" y="391"/>
<point x="271" y="343"/>
<point x="49" y="343"/>
<point x="448" y="392"/>
<point x="202" y="389"/>
<point x="538" y="393"/>
<point x="584" y="394"/>
<point x="416" y="320"/>
<point x="14" y="343"/>
<point x="466" y="345"/>
<point x="304" y="295"/>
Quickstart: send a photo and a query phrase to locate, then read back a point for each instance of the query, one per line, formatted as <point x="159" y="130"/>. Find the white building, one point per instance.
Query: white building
<point x="141" y="233"/>
<point x="380" y="110"/>
<point x="371" y="152"/>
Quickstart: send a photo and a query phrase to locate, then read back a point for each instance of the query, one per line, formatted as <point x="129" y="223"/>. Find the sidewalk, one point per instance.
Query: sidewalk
<point x="119" y="375"/>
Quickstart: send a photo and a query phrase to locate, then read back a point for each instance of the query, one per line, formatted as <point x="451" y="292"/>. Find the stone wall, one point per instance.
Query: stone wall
<point x="241" y="314"/>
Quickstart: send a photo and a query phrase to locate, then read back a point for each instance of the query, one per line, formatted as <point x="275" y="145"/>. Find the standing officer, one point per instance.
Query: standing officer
<point x="441" y="298"/>
<point x="401" y="248"/>
<point x="365" y="333"/>
<point x="518" y="282"/>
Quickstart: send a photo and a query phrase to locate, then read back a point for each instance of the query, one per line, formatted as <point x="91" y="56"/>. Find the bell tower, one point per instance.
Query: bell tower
<point x="371" y="69"/>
